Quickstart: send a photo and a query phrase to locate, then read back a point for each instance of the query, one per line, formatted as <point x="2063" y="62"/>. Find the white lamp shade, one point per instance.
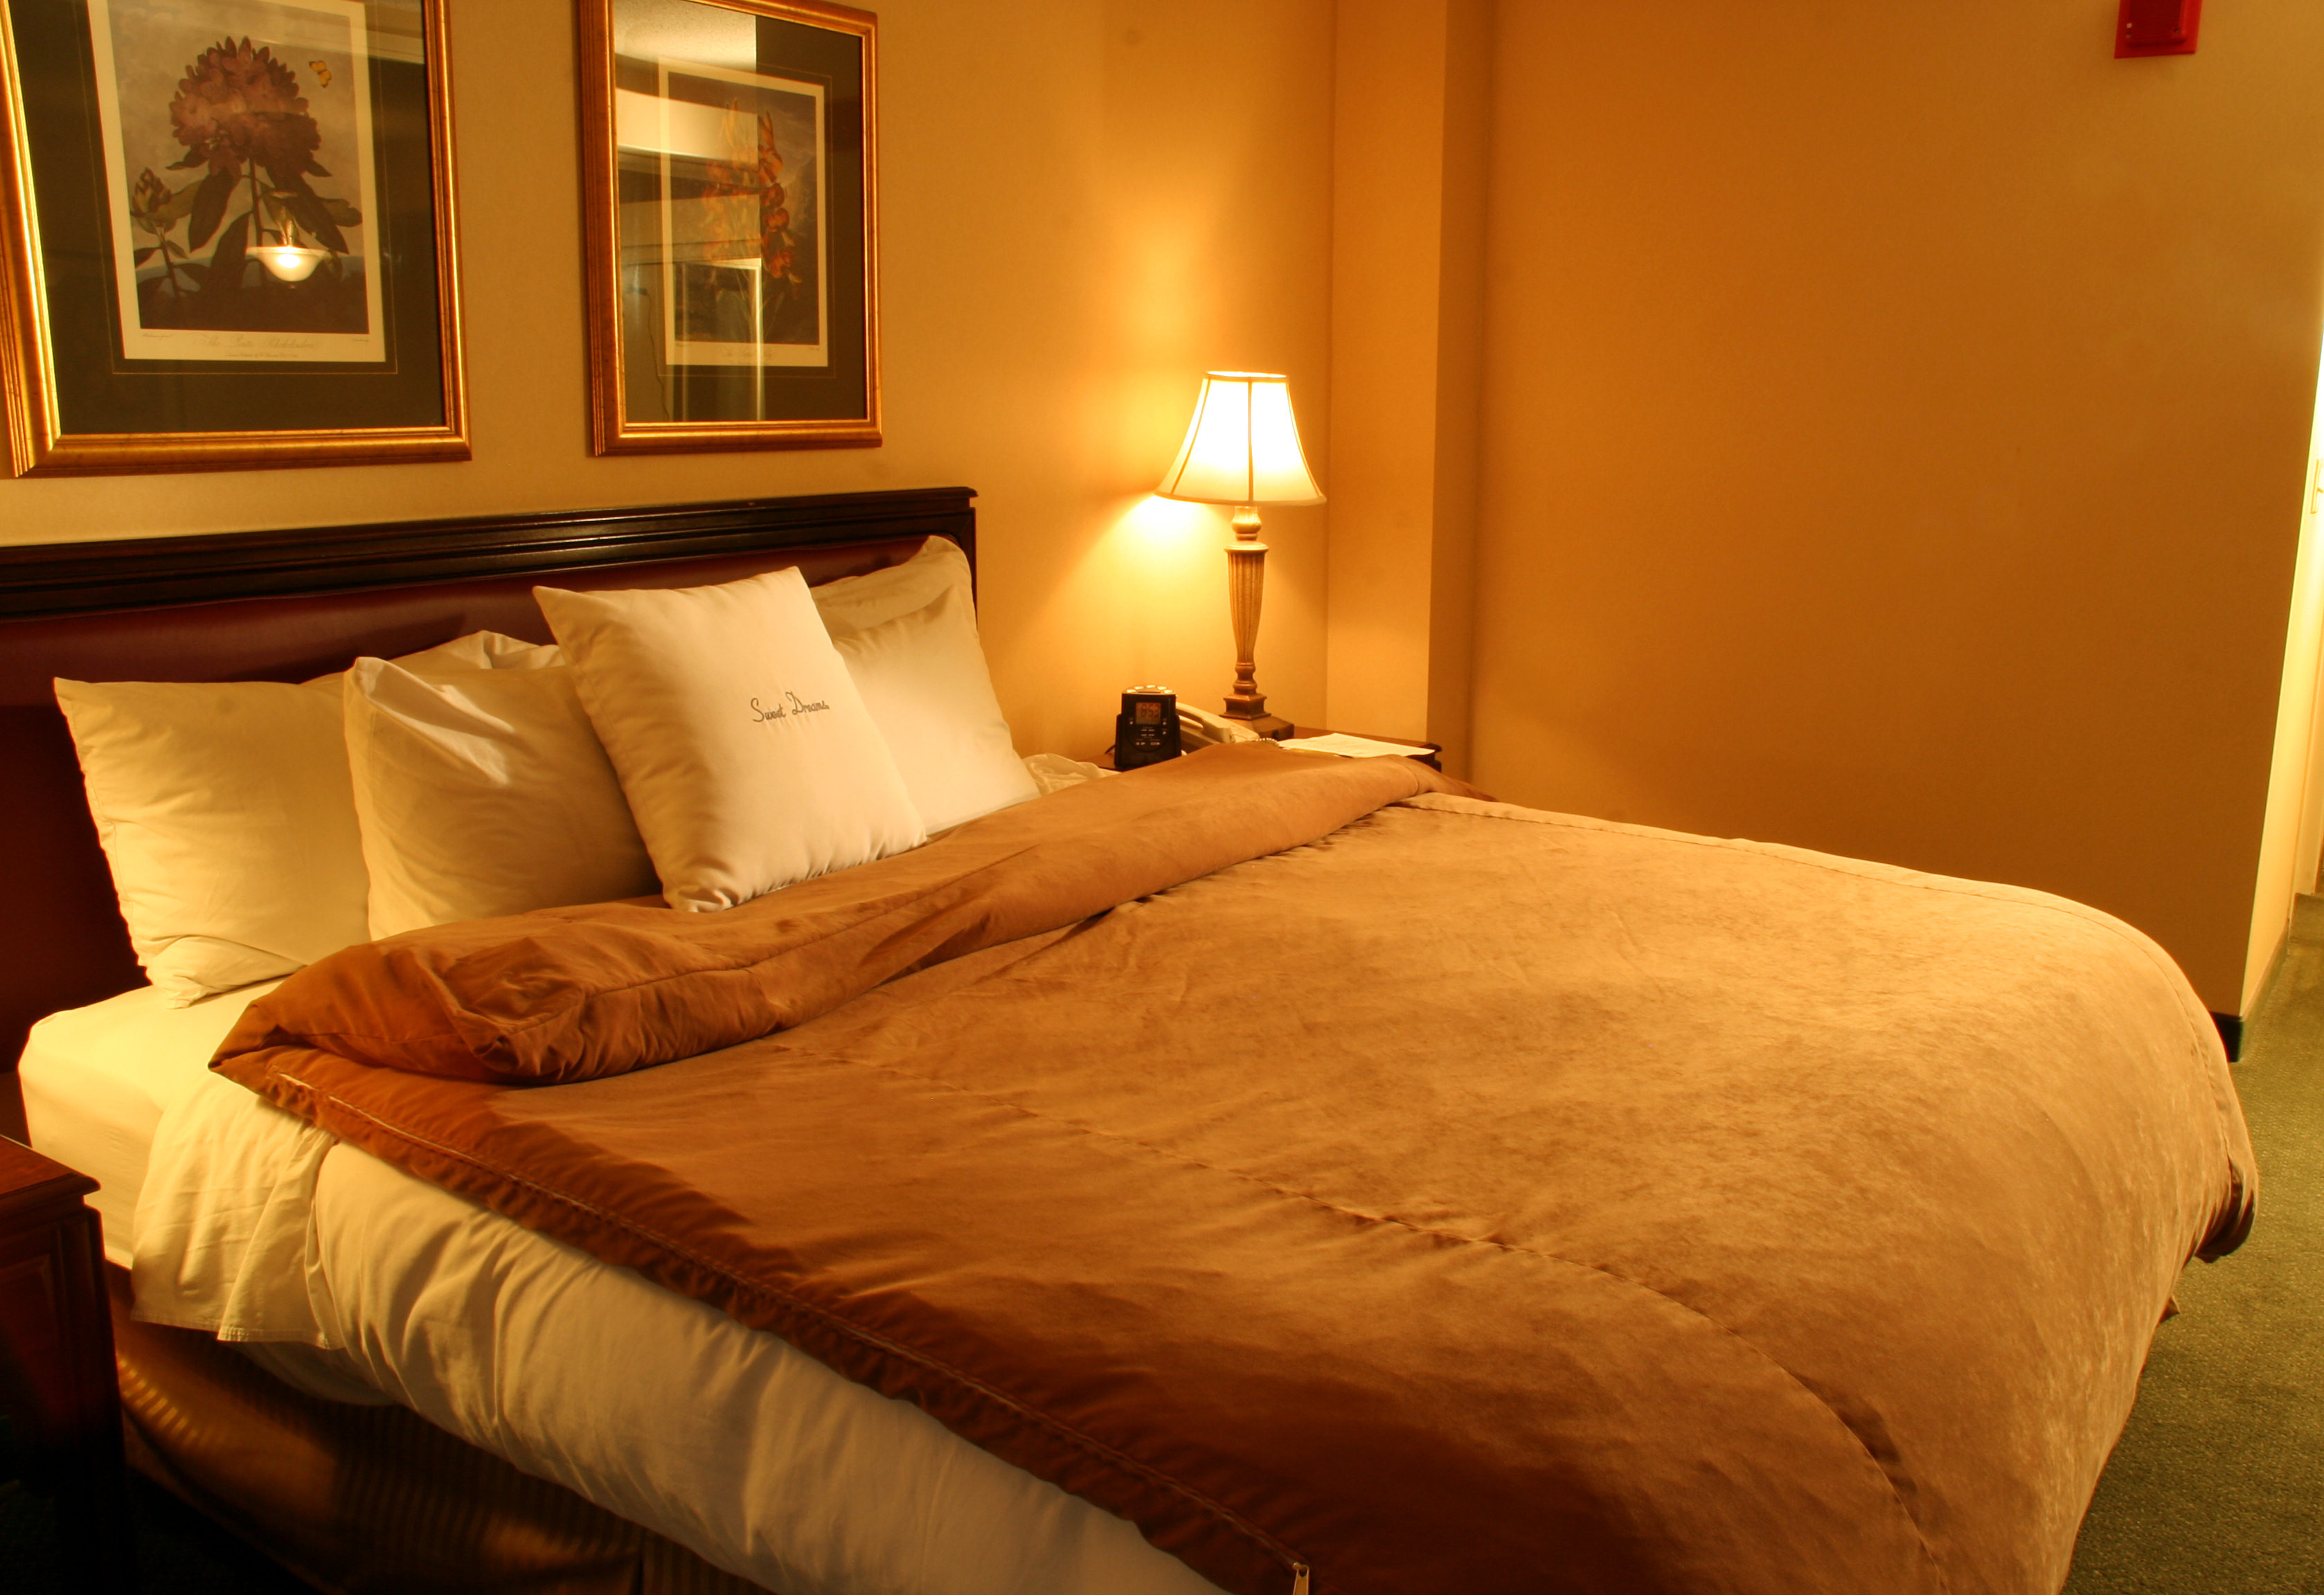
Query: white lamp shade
<point x="1243" y="447"/>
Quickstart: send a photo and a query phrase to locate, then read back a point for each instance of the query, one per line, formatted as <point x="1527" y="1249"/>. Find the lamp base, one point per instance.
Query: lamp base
<point x="1272" y="727"/>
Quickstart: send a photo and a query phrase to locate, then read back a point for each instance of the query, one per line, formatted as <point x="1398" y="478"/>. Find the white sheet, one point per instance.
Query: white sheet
<point x="252" y="1225"/>
<point x="96" y="1079"/>
<point x="757" y="1456"/>
<point x="224" y="1232"/>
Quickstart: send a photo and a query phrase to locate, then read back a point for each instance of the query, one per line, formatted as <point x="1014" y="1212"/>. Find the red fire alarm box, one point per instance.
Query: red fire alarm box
<point x="2157" y="27"/>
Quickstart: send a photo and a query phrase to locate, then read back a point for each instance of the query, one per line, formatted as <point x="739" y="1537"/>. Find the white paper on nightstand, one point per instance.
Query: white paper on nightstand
<point x="1347" y="746"/>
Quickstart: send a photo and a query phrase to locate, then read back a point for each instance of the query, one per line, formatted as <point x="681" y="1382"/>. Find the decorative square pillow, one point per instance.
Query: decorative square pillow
<point x="229" y="820"/>
<point x="482" y="792"/>
<point x="747" y="755"/>
<point x="909" y="635"/>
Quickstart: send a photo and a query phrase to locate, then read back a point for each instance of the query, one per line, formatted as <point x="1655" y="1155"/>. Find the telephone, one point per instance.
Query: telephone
<point x="1199" y="727"/>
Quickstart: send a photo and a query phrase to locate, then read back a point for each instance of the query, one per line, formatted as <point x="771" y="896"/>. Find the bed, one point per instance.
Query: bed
<point x="1260" y="1173"/>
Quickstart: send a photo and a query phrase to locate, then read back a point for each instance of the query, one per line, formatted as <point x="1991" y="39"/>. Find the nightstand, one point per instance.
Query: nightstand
<point x="1426" y="752"/>
<point x="56" y="1360"/>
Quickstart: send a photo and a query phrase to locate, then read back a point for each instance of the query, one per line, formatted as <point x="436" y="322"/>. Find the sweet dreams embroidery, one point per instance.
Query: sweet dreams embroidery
<point x="791" y="706"/>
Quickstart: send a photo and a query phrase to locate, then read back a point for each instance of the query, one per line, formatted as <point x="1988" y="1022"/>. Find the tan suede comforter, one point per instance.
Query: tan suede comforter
<point x="1439" y="1195"/>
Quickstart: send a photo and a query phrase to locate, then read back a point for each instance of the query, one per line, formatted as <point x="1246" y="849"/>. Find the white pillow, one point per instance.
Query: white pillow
<point x="909" y="635"/>
<point x="482" y="792"/>
<point x="745" y="752"/>
<point x="227" y="820"/>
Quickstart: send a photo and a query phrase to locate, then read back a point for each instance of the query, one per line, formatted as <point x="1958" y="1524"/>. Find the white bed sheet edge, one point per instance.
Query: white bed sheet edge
<point x="259" y="1228"/>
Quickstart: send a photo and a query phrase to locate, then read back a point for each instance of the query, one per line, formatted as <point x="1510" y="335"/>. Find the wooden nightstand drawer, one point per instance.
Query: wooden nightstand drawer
<point x="57" y="1379"/>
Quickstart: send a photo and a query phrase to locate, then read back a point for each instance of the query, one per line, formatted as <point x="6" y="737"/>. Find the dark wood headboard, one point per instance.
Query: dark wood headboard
<point x="287" y="606"/>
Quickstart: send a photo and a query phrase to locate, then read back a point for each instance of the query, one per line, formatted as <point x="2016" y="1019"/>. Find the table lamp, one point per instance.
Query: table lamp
<point x="1242" y="448"/>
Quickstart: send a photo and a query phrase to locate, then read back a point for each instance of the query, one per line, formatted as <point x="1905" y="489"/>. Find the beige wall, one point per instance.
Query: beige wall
<point x="1888" y="439"/>
<point x="1894" y="436"/>
<point x="1083" y="204"/>
<point x="1410" y="142"/>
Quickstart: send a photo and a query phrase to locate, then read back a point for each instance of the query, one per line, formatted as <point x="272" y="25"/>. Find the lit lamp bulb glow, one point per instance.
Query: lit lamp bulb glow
<point x="291" y="262"/>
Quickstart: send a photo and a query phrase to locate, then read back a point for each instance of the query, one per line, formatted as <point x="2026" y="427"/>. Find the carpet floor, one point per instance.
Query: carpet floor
<point x="2217" y="1488"/>
<point x="2217" y="1485"/>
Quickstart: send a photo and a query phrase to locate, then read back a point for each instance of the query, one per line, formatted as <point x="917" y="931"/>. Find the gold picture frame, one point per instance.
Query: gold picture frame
<point x="220" y="310"/>
<point x="729" y="182"/>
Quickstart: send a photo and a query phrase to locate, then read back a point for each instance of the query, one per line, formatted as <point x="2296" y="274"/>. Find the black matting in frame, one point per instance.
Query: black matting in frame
<point x="98" y="390"/>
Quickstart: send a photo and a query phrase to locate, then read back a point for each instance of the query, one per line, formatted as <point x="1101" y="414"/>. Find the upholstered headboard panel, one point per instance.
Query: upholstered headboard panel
<point x="286" y="606"/>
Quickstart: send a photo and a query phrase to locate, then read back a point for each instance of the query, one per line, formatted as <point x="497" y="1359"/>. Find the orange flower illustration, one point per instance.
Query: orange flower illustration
<point x="754" y="177"/>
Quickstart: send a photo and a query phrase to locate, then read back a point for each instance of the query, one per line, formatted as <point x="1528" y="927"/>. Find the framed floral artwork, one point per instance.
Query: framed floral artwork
<point x="229" y="237"/>
<point x="727" y="184"/>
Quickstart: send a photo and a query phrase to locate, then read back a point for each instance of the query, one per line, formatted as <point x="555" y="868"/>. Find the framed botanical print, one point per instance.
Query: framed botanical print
<point x="229" y="235"/>
<point x="727" y="181"/>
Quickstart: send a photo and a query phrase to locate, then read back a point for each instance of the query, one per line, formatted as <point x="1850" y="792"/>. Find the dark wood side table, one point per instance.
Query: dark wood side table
<point x="1426" y="752"/>
<point x="57" y="1379"/>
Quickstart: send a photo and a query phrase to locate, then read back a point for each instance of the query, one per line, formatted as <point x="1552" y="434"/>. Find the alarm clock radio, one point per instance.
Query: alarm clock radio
<point x="1146" y="731"/>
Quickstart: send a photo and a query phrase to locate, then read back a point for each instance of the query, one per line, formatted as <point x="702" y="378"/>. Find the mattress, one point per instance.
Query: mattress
<point x="96" y="1079"/>
<point x="348" y="1277"/>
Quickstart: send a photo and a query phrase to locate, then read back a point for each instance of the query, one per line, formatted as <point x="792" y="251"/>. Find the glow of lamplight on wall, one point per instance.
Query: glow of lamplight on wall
<point x="1169" y="526"/>
<point x="1164" y="590"/>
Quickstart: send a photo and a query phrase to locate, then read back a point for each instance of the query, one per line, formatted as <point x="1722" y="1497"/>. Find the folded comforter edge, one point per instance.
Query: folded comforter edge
<point x="600" y="989"/>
